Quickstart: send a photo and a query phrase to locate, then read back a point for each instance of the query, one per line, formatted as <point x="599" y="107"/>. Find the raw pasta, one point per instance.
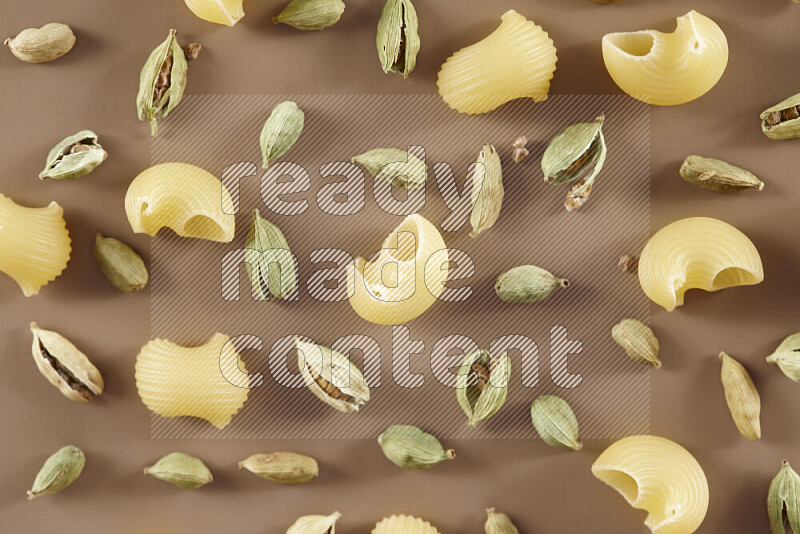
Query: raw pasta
<point x="404" y="524"/>
<point x="227" y="12"/>
<point x="35" y="244"/>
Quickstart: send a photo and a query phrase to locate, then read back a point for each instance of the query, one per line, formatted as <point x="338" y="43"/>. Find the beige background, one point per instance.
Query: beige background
<point x="545" y="490"/>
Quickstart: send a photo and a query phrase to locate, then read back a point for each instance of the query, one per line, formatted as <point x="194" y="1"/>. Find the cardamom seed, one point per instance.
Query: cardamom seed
<point x="527" y="283"/>
<point x="717" y="175"/>
<point x="398" y="37"/>
<point x="497" y="523"/>
<point x="162" y="82"/>
<point x="555" y="422"/>
<point x="409" y="447"/>
<point x="73" y="157"/>
<point x="626" y="263"/>
<point x="520" y="153"/>
<point x="192" y="51"/>
<point x="783" y="500"/>
<point x="482" y="385"/>
<point x="315" y="524"/>
<point x="181" y="470"/>
<point x="310" y="15"/>
<point x="781" y="121"/>
<point x="281" y="131"/>
<point x="40" y="45"/>
<point x="487" y="191"/>
<point x="742" y="397"/>
<point x="270" y="265"/>
<point x="60" y="470"/>
<point x="331" y="377"/>
<point x="398" y="167"/>
<point x="638" y="340"/>
<point x="123" y="267"/>
<point x="282" y="467"/>
<point x="787" y="357"/>
<point x="64" y="366"/>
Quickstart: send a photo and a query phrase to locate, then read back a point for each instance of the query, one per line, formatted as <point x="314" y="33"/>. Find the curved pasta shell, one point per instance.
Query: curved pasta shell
<point x="415" y="289"/>
<point x="174" y="381"/>
<point x="227" y="12"/>
<point x="35" y="244"/>
<point x="185" y="198"/>
<point x="668" y="68"/>
<point x="697" y="253"/>
<point x="404" y="524"/>
<point x="516" y="61"/>
<point x="659" y="476"/>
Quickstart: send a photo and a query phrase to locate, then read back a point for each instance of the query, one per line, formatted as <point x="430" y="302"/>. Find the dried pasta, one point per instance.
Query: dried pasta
<point x="697" y="253"/>
<point x="516" y="61"/>
<point x="659" y="476"/>
<point x="397" y="287"/>
<point x="668" y="68"/>
<point x="404" y="524"/>
<point x="227" y="12"/>
<point x="35" y="244"/>
<point x="174" y="381"/>
<point x="185" y="198"/>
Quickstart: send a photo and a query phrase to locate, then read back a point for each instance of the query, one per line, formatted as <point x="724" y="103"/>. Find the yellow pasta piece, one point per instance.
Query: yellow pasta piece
<point x="404" y="524"/>
<point x="35" y="244"/>
<point x="174" y="381"/>
<point x="659" y="476"/>
<point x="185" y="198"/>
<point x="516" y="61"/>
<point x="227" y="12"/>
<point x="397" y="287"/>
<point x="668" y="68"/>
<point x="697" y="253"/>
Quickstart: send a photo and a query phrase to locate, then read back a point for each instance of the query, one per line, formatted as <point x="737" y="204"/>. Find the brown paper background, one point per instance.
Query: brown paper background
<point x="543" y="489"/>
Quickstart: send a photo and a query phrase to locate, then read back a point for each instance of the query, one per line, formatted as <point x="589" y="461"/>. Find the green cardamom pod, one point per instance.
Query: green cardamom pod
<point x="409" y="447"/>
<point x="39" y="45"/>
<point x="487" y="191"/>
<point x="60" y="470"/>
<point x="311" y="15"/>
<point x="787" y="357"/>
<point x="497" y="523"/>
<point x="282" y="467"/>
<point x="742" y="397"/>
<point x="331" y="377"/>
<point x="162" y="81"/>
<point x="73" y="157"/>
<point x="482" y="385"/>
<point x="783" y="500"/>
<point x="395" y="166"/>
<point x="718" y="175"/>
<point x="527" y="283"/>
<point x="782" y="121"/>
<point x="638" y="340"/>
<point x="270" y="265"/>
<point x="123" y="267"/>
<point x="315" y="524"/>
<point x="398" y="37"/>
<point x="281" y="131"/>
<point x="182" y="470"/>
<point x="555" y="422"/>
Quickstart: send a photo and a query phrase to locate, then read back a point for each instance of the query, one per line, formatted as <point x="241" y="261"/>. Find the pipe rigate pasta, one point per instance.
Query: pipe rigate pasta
<point x="404" y="524"/>
<point x="227" y="12"/>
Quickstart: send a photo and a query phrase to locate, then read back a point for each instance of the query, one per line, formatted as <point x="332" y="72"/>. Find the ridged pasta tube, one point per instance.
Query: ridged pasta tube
<point x="227" y="12"/>
<point x="404" y="524"/>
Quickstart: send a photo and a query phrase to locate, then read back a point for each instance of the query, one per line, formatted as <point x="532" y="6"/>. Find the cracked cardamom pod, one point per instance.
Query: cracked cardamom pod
<point x="482" y="385"/>
<point x="398" y="37"/>
<point x="497" y="523"/>
<point x="310" y="15"/>
<point x="60" y="470"/>
<point x="409" y="447"/>
<point x="64" y="366"/>
<point x="282" y="467"/>
<point x="281" y="131"/>
<point x="331" y="377"/>
<point x="40" y="45"/>
<point x="638" y="340"/>
<point x="123" y="267"/>
<point x="270" y="264"/>
<point x="555" y="422"/>
<point x="783" y="500"/>
<point x="527" y="283"/>
<point x="73" y="157"/>
<point x="315" y="524"/>
<point x="181" y="470"/>
<point x="787" y="357"/>
<point x="398" y="167"/>
<point x="487" y="191"/>
<point x="742" y="397"/>
<point x="162" y="82"/>
<point x="717" y="175"/>
<point x="782" y="121"/>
